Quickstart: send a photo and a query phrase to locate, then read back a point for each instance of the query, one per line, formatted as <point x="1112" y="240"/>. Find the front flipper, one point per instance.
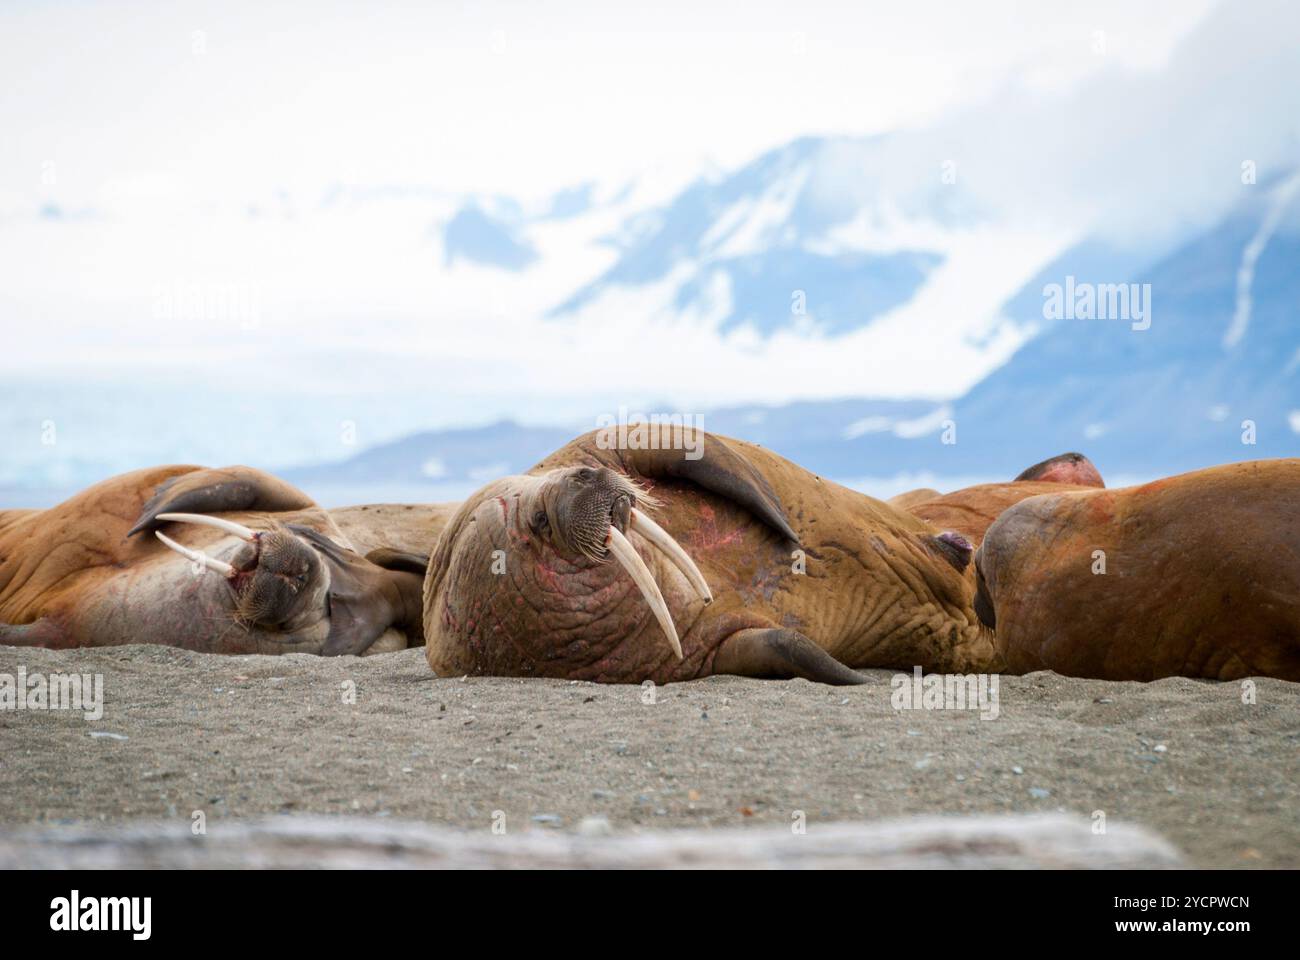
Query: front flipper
<point x="712" y="462"/>
<point x="720" y="467"/>
<point x="223" y="490"/>
<point x="779" y="654"/>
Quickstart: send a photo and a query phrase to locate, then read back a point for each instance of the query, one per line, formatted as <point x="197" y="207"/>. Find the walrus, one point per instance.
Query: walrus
<point x="411" y="528"/>
<point x="1072" y="468"/>
<point x="1196" y="575"/>
<point x="229" y="560"/>
<point x="971" y="510"/>
<point x="909" y="499"/>
<point x="625" y="565"/>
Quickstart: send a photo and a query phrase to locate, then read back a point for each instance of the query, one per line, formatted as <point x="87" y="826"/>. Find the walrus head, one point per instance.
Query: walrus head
<point x="560" y="566"/>
<point x="292" y="582"/>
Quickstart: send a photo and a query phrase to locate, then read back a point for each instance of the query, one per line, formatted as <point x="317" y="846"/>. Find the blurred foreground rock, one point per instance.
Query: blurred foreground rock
<point x="985" y="842"/>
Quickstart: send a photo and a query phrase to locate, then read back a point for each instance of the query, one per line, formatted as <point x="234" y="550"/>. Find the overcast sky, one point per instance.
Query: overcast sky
<point x="218" y="102"/>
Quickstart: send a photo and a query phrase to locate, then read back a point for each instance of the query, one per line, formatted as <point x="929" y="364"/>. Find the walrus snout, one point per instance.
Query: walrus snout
<point x="593" y="500"/>
<point x="274" y="589"/>
<point x="592" y="511"/>
<point x="269" y="575"/>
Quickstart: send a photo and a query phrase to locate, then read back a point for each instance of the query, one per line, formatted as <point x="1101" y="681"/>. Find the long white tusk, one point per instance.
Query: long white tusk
<point x="238" y="529"/>
<point x="626" y="554"/>
<point x="198" y="556"/>
<point x="660" y="538"/>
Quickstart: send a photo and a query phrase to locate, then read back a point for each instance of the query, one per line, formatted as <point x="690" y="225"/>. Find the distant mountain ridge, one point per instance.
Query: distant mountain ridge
<point x="1183" y="394"/>
<point x="806" y="432"/>
<point x="765" y="231"/>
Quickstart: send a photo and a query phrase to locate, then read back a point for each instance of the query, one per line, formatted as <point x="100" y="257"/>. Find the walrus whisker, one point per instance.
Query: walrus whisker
<point x="658" y="537"/>
<point x="202" y="519"/>
<point x="198" y="556"/>
<point x="230" y="621"/>
<point x="626" y="555"/>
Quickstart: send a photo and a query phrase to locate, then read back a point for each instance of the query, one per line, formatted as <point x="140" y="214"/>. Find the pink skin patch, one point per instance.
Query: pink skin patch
<point x="1101" y="508"/>
<point x="1068" y="468"/>
<point x="707" y="536"/>
<point x="1083" y="473"/>
<point x="547" y="575"/>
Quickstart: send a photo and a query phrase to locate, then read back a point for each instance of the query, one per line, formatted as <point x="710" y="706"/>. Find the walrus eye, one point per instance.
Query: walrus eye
<point x="540" y="521"/>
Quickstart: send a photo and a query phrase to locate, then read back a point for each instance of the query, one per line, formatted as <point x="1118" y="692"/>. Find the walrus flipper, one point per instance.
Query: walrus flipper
<point x="719" y="468"/>
<point x="780" y="654"/>
<point x="224" y="490"/>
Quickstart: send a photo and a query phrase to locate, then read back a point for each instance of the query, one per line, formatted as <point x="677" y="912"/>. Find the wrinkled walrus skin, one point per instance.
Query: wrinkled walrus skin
<point x="1201" y="577"/>
<point x="91" y="572"/>
<point x="807" y="576"/>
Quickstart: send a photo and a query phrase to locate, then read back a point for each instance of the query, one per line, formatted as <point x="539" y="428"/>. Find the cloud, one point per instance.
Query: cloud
<point x="1143" y="157"/>
<point x="232" y="100"/>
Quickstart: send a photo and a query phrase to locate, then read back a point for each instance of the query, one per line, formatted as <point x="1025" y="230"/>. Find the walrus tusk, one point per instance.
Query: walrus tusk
<point x="198" y="556"/>
<point x="662" y="539"/>
<point x="626" y="554"/>
<point x="238" y="529"/>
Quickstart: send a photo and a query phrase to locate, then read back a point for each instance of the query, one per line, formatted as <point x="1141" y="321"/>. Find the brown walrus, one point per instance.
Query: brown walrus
<point x="228" y="560"/>
<point x="404" y="527"/>
<point x="1195" y="575"/>
<point x="971" y="510"/>
<point x="905" y="501"/>
<point x="603" y="563"/>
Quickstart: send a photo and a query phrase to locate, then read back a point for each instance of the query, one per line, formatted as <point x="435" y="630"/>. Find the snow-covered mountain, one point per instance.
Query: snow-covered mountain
<point x="760" y="237"/>
<point x="1223" y="347"/>
<point x="1214" y="378"/>
<point x="820" y="239"/>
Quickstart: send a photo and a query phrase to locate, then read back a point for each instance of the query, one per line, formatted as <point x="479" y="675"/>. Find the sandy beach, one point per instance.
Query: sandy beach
<point x="381" y="737"/>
